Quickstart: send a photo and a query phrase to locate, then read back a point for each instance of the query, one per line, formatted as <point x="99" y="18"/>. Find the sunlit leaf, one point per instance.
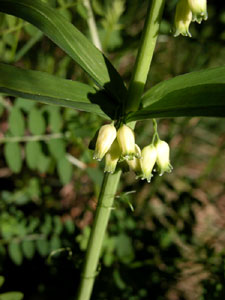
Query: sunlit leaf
<point x="194" y="94"/>
<point x="40" y="86"/>
<point x="71" y="40"/>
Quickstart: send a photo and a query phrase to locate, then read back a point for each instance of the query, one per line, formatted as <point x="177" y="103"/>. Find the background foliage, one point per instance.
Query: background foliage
<point x="172" y="245"/>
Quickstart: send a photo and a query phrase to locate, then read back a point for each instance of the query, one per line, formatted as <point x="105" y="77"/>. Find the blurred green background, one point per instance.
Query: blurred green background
<point x="172" y="245"/>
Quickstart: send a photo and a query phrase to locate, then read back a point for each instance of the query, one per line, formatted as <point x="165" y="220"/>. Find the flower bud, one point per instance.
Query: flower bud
<point x="112" y="157"/>
<point x="106" y="136"/>
<point x="183" y="18"/>
<point x="126" y="140"/>
<point x="199" y="10"/>
<point x="148" y="159"/>
<point x="135" y="164"/>
<point x="163" y="160"/>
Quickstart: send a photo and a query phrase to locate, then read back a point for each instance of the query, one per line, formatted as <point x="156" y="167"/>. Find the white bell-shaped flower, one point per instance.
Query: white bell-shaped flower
<point x="112" y="157"/>
<point x="106" y="137"/>
<point x="183" y="18"/>
<point x="163" y="157"/>
<point x="148" y="159"/>
<point x="199" y="10"/>
<point x="126" y="140"/>
<point x="135" y="164"/>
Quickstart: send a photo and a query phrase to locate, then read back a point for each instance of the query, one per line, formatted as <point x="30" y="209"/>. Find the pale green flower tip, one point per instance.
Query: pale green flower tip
<point x="205" y="18"/>
<point x="170" y="168"/>
<point x="200" y="17"/>
<point x="97" y="156"/>
<point x="199" y="10"/>
<point x="129" y="156"/>
<point x="112" y="157"/>
<point x="183" y="32"/>
<point x="183" y="18"/>
<point x="176" y="33"/>
<point x="138" y="156"/>
<point x="146" y="174"/>
<point x="109" y="169"/>
<point x="166" y="169"/>
<point x="188" y="34"/>
<point x="148" y="177"/>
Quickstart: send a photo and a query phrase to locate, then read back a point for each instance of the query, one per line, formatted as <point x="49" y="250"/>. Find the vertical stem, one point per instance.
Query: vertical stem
<point x="92" y="25"/>
<point x="110" y="182"/>
<point x="105" y="204"/>
<point x="145" y="53"/>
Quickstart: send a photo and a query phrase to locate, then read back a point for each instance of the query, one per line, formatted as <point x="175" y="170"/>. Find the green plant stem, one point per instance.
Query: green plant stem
<point x="145" y="53"/>
<point x="32" y="138"/>
<point x="155" y="138"/>
<point x="92" y="25"/>
<point x="104" y="207"/>
<point x="30" y="237"/>
<point x="110" y="182"/>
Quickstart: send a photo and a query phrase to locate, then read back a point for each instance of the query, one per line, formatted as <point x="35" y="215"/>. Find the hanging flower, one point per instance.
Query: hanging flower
<point x="135" y="164"/>
<point x="163" y="160"/>
<point x="148" y="159"/>
<point x="199" y="10"/>
<point x="126" y="140"/>
<point x="106" y="136"/>
<point x="112" y="157"/>
<point x="183" y="18"/>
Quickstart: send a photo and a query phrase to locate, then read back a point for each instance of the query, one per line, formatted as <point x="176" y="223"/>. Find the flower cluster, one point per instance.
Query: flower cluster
<point x="188" y="11"/>
<point x="119" y="146"/>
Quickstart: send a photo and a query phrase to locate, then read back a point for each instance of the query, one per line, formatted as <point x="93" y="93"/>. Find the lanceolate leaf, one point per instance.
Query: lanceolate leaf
<point x="194" y="94"/>
<point x="47" y="88"/>
<point x="71" y="40"/>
